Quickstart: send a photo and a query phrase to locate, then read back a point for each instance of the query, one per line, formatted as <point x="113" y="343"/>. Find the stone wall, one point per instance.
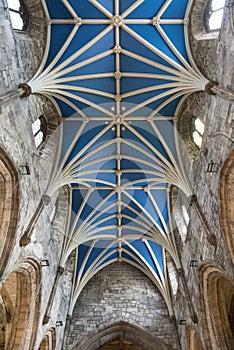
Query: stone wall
<point x="215" y="59"/>
<point x="117" y="293"/>
<point x="20" y="48"/>
<point x="21" y="54"/>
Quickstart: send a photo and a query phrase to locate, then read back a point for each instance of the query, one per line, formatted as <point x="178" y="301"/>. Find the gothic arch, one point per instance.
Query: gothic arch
<point x="9" y="207"/>
<point x="192" y="340"/>
<point x="179" y="205"/>
<point x="197" y="24"/>
<point x="226" y="200"/>
<point x="121" y="329"/>
<point x="20" y="294"/>
<point x="217" y="307"/>
<point x="49" y="341"/>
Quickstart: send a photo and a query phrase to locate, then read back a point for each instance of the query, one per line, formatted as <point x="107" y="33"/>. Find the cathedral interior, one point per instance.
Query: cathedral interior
<point x="116" y="175"/>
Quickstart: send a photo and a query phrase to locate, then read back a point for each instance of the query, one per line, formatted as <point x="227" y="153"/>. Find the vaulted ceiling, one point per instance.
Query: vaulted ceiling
<point x="118" y="70"/>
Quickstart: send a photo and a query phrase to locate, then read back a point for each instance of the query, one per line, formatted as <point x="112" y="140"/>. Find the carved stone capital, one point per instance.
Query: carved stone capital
<point x="27" y="89"/>
<point x="46" y="319"/>
<point x="172" y="319"/>
<point x="46" y="199"/>
<point x="193" y="199"/>
<point x="60" y="270"/>
<point x="194" y="318"/>
<point x="209" y="86"/>
<point x="69" y="318"/>
<point x="24" y="240"/>
<point x="180" y="272"/>
<point x="212" y="240"/>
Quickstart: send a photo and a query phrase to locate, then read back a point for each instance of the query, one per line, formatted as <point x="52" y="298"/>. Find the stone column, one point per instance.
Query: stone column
<point x="181" y="277"/>
<point x="9" y="96"/>
<point x="26" y="238"/>
<point x="213" y="88"/>
<point x="17" y="93"/>
<point x="210" y="236"/>
<point x="172" y="320"/>
<point x="60" y="271"/>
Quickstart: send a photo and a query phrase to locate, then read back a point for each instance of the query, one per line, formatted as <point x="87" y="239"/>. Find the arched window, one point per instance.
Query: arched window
<point x="18" y="14"/>
<point x="196" y="131"/>
<point x="39" y="128"/>
<point x="214" y="14"/>
<point x="172" y="274"/>
<point x="185" y="215"/>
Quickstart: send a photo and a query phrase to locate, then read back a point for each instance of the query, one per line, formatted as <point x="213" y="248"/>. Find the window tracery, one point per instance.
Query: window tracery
<point x="214" y="15"/>
<point x="18" y="14"/>
<point x="197" y="129"/>
<point x="39" y="128"/>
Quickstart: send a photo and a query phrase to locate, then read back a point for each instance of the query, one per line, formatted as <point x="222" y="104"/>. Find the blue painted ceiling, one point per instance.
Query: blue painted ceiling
<point x="117" y="70"/>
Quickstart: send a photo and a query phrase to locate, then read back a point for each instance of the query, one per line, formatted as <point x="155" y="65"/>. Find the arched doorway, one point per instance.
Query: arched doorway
<point x="49" y="341"/>
<point x="9" y="205"/>
<point x="20" y="305"/>
<point x="121" y="343"/>
<point x="192" y="340"/>
<point x="129" y="336"/>
<point x="217" y="300"/>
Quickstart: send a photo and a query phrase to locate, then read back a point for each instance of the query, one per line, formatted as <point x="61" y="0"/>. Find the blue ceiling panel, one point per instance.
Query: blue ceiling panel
<point x="58" y="10"/>
<point x="118" y="83"/>
<point x="80" y="40"/>
<point x="150" y="34"/>
<point x="177" y="8"/>
<point x="147" y="9"/>
<point x="129" y="84"/>
<point x="85" y="9"/>
<point x="59" y="35"/>
<point x="133" y="45"/>
<point x="173" y="32"/>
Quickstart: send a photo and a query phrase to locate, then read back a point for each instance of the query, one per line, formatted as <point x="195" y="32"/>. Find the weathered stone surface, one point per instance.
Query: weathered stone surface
<point x="120" y="292"/>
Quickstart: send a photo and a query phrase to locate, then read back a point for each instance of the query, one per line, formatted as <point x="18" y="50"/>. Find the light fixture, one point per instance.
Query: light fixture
<point x="182" y="322"/>
<point x="212" y="167"/>
<point x="45" y="263"/>
<point x="24" y="169"/>
<point x="193" y="263"/>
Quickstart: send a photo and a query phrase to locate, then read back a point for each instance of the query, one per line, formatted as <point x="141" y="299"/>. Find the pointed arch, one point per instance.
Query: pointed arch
<point x="192" y="340"/>
<point x="226" y="201"/>
<point x="9" y="207"/>
<point x="115" y="330"/>
<point x="21" y="294"/>
<point x="49" y="341"/>
<point x="216" y="298"/>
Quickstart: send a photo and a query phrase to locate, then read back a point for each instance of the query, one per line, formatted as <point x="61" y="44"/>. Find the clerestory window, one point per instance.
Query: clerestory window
<point x="39" y="128"/>
<point x="18" y="14"/>
<point x="196" y="131"/>
<point x="214" y="15"/>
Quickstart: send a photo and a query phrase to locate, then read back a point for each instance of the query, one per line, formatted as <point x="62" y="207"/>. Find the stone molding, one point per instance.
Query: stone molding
<point x="9" y="207"/>
<point x="216" y="288"/>
<point x="226" y="203"/>
<point x="197" y="25"/>
<point x="114" y="330"/>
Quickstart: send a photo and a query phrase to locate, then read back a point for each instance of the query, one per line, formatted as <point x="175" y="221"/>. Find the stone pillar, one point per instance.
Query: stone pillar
<point x="60" y="271"/>
<point x="173" y="322"/>
<point x="17" y="93"/>
<point x="9" y="96"/>
<point x="26" y="238"/>
<point x="210" y="236"/>
<point x="181" y="277"/>
<point x="213" y="88"/>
